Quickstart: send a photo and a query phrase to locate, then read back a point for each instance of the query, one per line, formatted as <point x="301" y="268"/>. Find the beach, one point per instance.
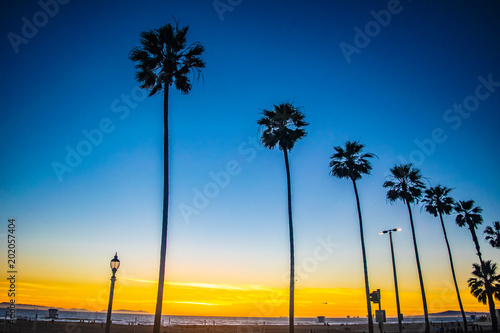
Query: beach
<point x="89" y="327"/>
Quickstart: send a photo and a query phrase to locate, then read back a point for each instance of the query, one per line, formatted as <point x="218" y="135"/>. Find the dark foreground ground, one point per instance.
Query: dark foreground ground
<point x="63" y="327"/>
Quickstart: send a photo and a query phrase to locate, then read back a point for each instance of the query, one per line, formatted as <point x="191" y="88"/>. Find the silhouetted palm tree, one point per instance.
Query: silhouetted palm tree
<point x="163" y="59"/>
<point x="470" y="215"/>
<point x="478" y="283"/>
<point x="406" y="185"/>
<point x="493" y="234"/>
<point x="283" y="127"/>
<point x="350" y="163"/>
<point x="437" y="202"/>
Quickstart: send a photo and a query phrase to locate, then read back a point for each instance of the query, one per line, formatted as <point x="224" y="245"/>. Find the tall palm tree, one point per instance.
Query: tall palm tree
<point x="283" y="127"/>
<point x="163" y="59"/>
<point x="349" y="162"/>
<point x="477" y="284"/>
<point x="493" y="234"/>
<point x="470" y="216"/>
<point x="406" y="185"/>
<point x="437" y="202"/>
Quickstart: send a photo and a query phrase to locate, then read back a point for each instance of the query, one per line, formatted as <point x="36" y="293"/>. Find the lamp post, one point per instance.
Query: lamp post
<point x="390" y="231"/>
<point x="115" y="264"/>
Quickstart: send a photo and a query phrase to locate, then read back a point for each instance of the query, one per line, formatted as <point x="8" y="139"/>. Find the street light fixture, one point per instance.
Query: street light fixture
<point x="114" y="264"/>
<point x="390" y="231"/>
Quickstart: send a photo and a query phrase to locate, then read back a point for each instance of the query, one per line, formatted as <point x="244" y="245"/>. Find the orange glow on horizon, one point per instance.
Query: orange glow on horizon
<point x="211" y="299"/>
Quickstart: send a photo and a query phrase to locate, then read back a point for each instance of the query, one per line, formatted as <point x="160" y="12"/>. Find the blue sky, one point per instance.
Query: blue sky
<point x="74" y="74"/>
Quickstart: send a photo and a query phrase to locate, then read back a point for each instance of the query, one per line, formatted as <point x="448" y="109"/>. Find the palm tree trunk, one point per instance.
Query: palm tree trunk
<point x="163" y="246"/>
<point x="424" y="300"/>
<point x="494" y="319"/>
<point x="487" y="285"/>
<point x="453" y="273"/>
<point x="292" y="255"/>
<point x="363" y="250"/>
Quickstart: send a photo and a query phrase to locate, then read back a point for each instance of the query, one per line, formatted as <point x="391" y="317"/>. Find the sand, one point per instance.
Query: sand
<point x="63" y="327"/>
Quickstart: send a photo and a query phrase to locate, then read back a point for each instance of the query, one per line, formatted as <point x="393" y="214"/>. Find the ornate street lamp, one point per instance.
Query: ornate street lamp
<point x="114" y="264"/>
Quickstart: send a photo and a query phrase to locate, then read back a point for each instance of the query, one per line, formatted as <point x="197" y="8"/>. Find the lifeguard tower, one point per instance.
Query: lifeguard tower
<point x="53" y="313"/>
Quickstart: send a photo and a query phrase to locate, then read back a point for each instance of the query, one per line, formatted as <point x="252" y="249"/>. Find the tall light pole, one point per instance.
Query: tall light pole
<point x="395" y="275"/>
<point x="115" y="264"/>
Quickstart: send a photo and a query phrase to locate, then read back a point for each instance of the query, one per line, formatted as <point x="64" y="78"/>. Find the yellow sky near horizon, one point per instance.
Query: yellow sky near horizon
<point x="241" y="300"/>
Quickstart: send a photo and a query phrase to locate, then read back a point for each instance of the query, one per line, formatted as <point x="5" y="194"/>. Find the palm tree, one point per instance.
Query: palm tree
<point x="478" y="283"/>
<point x="493" y="234"/>
<point x="470" y="215"/>
<point x="163" y="59"/>
<point x="283" y="127"/>
<point x="406" y="185"/>
<point x="438" y="203"/>
<point x="350" y="163"/>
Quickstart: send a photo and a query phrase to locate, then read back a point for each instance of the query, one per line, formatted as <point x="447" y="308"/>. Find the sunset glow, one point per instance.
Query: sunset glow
<point x="202" y="299"/>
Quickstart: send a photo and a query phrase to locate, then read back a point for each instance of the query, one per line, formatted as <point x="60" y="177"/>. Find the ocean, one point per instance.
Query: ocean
<point x="147" y="319"/>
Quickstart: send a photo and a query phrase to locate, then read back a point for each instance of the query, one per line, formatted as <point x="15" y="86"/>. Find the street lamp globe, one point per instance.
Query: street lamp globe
<point x="115" y="263"/>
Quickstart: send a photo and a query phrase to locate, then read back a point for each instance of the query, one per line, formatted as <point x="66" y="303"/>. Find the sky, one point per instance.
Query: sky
<point x="415" y="81"/>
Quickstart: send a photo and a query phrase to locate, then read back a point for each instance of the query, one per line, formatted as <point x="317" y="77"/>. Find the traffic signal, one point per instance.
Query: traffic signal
<point x="375" y="296"/>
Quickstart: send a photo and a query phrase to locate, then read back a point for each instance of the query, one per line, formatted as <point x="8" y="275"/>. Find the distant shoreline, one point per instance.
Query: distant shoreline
<point x="29" y="307"/>
<point x="130" y="318"/>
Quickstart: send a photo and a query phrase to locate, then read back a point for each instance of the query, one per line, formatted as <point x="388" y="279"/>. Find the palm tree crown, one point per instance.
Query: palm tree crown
<point x="468" y="214"/>
<point x="493" y="234"/>
<point x="283" y="126"/>
<point x="478" y="283"/>
<point x="163" y="59"/>
<point x="437" y="200"/>
<point x="349" y="162"/>
<point x="406" y="184"/>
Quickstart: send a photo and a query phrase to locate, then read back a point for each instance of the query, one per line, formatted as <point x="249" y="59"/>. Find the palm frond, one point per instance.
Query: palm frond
<point x="163" y="59"/>
<point x="405" y="184"/>
<point x="493" y="234"/>
<point x="436" y="200"/>
<point x="349" y="162"/>
<point x="468" y="214"/>
<point x="483" y="278"/>
<point x="282" y="126"/>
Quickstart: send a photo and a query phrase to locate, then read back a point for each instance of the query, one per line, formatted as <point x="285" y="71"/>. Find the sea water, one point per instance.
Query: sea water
<point x="148" y="319"/>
